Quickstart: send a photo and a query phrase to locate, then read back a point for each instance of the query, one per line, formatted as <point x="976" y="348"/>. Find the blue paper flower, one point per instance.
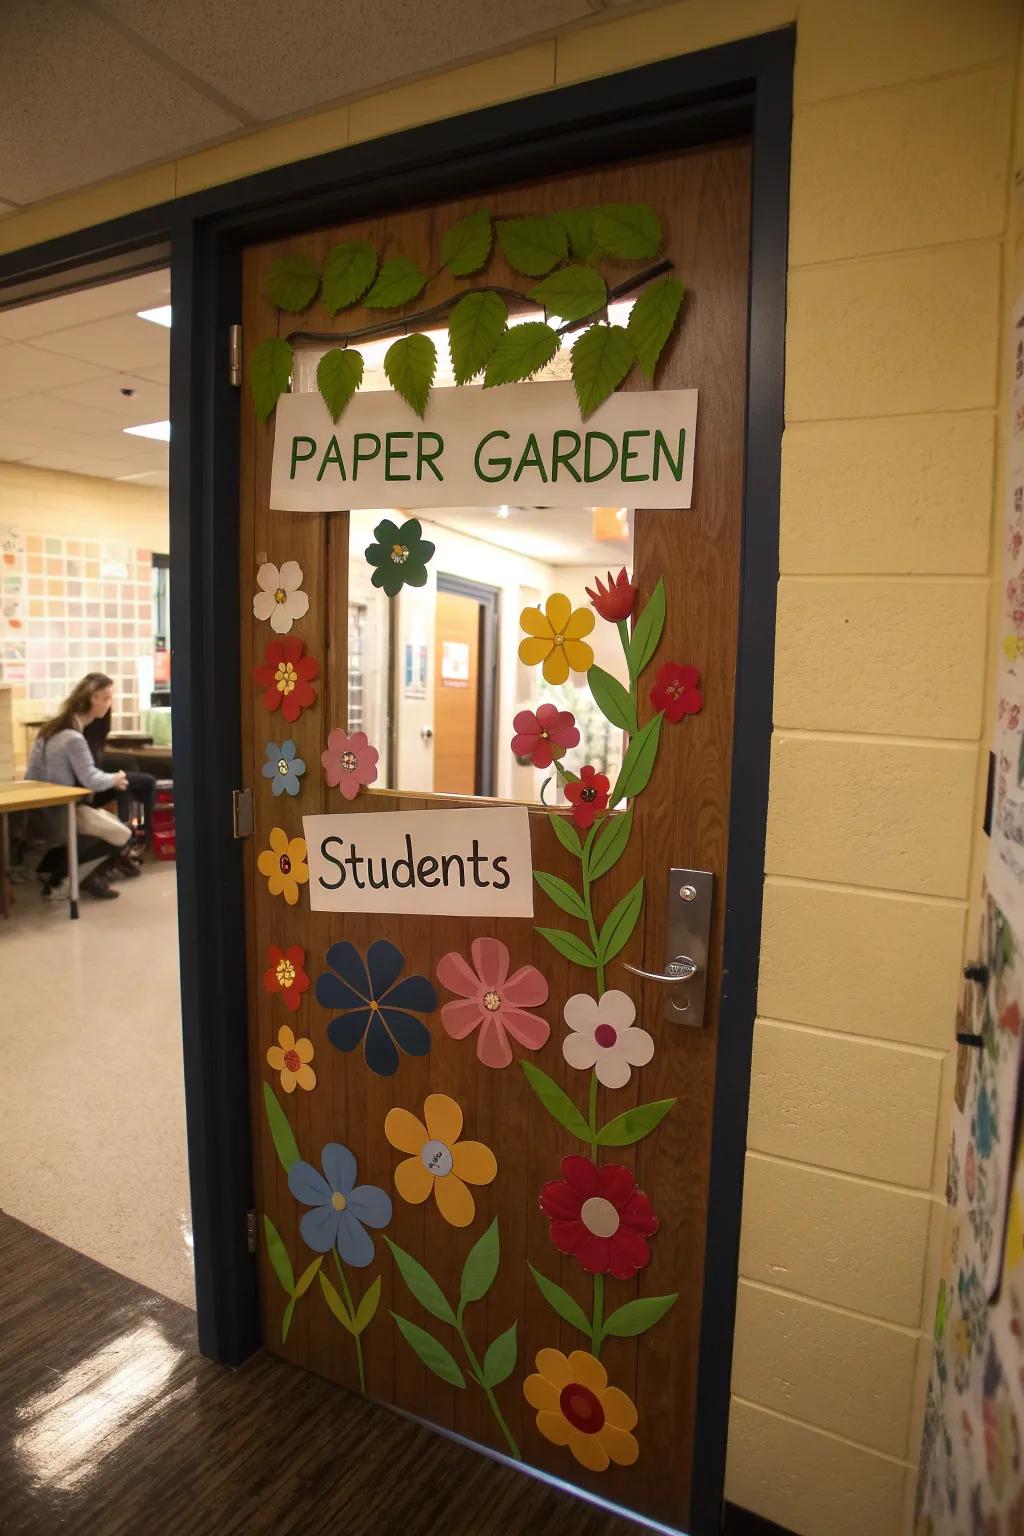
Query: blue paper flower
<point x="374" y="1006"/>
<point x="283" y="768"/>
<point x="341" y="1210"/>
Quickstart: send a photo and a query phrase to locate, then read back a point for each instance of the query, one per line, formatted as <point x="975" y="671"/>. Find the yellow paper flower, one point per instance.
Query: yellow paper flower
<point x="439" y="1162"/>
<point x="291" y="1058"/>
<point x="576" y="1407"/>
<point x="555" y="637"/>
<point x="284" y="864"/>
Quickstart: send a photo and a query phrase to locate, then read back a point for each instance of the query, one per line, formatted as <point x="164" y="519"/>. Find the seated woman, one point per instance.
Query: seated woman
<point x="141" y="789"/>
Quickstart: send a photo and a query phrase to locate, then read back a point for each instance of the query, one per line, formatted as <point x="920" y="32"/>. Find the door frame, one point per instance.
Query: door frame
<point x="488" y="598"/>
<point x="739" y="88"/>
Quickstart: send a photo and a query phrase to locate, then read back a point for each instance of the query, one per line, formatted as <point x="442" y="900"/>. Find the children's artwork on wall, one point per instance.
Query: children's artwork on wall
<point x="280" y="597"/>
<point x="286" y="678"/>
<point x="440" y="1163"/>
<point x="375" y="1006"/>
<point x="283" y="768"/>
<point x="349" y="762"/>
<point x="284" y="865"/>
<point x="491" y="1003"/>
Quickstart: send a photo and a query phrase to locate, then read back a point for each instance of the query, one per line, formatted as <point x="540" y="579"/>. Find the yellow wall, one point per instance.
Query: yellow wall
<point x="83" y="506"/>
<point x="901" y="160"/>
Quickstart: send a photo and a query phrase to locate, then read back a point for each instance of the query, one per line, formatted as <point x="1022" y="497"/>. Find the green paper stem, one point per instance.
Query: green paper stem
<point x="592" y="1111"/>
<point x="588" y="903"/>
<point x="596" y="1335"/>
<point x="474" y="1366"/>
<point x="352" y="1313"/>
<point x="622" y="625"/>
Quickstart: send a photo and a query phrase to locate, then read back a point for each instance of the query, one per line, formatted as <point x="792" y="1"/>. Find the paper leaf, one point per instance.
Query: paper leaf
<point x="348" y="272"/>
<point x="286" y="1320"/>
<point x="567" y="835"/>
<point x="432" y="1353"/>
<point x="480" y="1267"/>
<point x="306" y="1278"/>
<point x="474" y="329"/>
<point x="270" y="369"/>
<point x="292" y="282"/>
<point x="580" y="229"/>
<point x="500" y="1359"/>
<point x="634" y="1125"/>
<point x="397" y="282"/>
<point x="556" y="1101"/>
<point x="601" y="358"/>
<point x="336" y="1304"/>
<point x="610" y="844"/>
<point x="562" y="1302"/>
<point x="651" y="320"/>
<point x="367" y="1309"/>
<point x="562" y="894"/>
<point x="410" y="364"/>
<point x="283" y="1136"/>
<point x="572" y="292"/>
<point x="521" y="351"/>
<point x="638" y="763"/>
<point x="637" y="1316"/>
<point x="647" y="631"/>
<point x="339" y="374"/>
<point x="612" y="699"/>
<point x="620" y="922"/>
<point x="631" y="231"/>
<point x="282" y="1264"/>
<point x="422" y="1285"/>
<point x="467" y="244"/>
<point x="569" y="946"/>
<point x="533" y="246"/>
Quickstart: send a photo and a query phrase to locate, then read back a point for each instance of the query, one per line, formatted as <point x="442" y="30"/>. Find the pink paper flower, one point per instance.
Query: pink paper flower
<point x="349" y="762"/>
<point x="491" y="1000"/>
<point x="545" y="735"/>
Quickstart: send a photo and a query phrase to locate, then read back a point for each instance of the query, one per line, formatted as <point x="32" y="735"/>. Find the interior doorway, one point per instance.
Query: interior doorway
<point x="465" y="657"/>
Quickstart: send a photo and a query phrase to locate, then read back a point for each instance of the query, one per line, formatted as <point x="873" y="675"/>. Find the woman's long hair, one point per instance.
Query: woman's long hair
<point x="78" y="702"/>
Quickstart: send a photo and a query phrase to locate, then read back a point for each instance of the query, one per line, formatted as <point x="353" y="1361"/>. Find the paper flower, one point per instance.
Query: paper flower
<point x="603" y="1036"/>
<point x="492" y="1001"/>
<point x="555" y="638"/>
<point x="291" y="1057"/>
<point x="287" y="974"/>
<point x="600" y="1217"/>
<point x="374" y="1006"/>
<point x="341" y="1209"/>
<point x="613" y="602"/>
<point x="545" y="735"/>
<point x="576" y="1407"/>
<point x="400" y="555"/>
<point x="676" y="690"/>
<point x="284" y="864"/>
<point x="349" y="762"/>
<point x="286" y="678"/>
<point x="280" y="598"/>
<point x="283" y="768"/>
<point x="587" y="795"/>
<point x="440" y="1163"/>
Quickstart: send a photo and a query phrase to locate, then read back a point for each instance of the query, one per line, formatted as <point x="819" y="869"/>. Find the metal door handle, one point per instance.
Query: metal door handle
<point x="679" y="969"/>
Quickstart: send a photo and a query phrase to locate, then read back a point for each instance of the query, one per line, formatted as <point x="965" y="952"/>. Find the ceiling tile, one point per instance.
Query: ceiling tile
<point x="161" y="375"/>
<point x="147" y="402"/>
<point x="119" y="341"/>
<point x="124" y="297"/>
<point x="157" y="477"/>
<point x="27" y="370"/>
<point x="47" y="413"/>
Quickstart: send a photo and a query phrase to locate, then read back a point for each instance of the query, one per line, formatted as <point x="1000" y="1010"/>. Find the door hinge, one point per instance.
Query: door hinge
<point x="235" y="355"/>
<point x="241" y="813"/>
<point x="250" y="1231"/>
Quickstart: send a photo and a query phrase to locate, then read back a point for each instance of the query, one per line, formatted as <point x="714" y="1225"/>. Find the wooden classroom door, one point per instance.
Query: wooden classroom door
<point x="481" y="1158"/>
<point x="456" y="692"/>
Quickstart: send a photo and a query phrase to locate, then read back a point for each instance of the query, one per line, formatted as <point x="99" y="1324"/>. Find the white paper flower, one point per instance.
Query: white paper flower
<point x="605" y="1037"/>
<point x="280" y="598"/>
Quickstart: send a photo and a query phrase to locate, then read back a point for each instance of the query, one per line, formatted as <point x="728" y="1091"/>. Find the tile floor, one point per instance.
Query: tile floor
<point x="92" y="1138"/>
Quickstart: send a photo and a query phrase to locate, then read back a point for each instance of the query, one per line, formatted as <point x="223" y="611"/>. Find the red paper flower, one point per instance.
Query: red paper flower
<point x="545" y="735"/>
<point x="600" y="1217"/>
<point x="286" y="678"/>
<point x="287" y="974"/>
<point x="587" y="795"/>
<point x="677" y="691"/>
<point x="613" y="602"/>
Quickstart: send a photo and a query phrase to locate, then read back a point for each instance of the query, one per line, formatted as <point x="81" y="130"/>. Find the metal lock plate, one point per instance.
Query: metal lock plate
<point x="684" y="976"/>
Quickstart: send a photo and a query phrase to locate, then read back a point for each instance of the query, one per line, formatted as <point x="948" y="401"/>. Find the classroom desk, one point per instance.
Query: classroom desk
<point x="33" y="795"/>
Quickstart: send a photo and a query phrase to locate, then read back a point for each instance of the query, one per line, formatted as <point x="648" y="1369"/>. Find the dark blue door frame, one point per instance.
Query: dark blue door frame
<point x="741" y="88"/>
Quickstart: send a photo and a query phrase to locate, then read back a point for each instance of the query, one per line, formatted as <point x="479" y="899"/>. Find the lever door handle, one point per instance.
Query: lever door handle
<point x="677" y="970"/>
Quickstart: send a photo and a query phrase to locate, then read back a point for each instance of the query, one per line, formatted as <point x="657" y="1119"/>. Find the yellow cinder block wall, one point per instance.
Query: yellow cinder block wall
<point x="902" y="151"/>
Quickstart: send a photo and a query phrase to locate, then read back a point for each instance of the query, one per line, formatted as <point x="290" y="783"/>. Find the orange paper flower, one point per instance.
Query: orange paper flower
<point x="576" y="1407"/>
<point x="284" y="864"/>
<point x="439" y="1163"/>
<point x="291" y="1057"/>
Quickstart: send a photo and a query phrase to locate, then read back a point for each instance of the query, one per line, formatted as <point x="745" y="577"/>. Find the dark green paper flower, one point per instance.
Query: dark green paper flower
<point x="400" y="556"/>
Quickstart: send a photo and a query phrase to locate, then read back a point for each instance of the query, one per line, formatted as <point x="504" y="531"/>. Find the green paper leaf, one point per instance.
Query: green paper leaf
<point x="467" y="244"/>
<point x="637" y="1316"/>
<point x="572" y="292"/>
<point x="579" y="227"/>
<point x="282" y="1264"/>
<point x="306" y="1278"/>
<point x="284" y="1140"/>
<point x="292" y="282"/>
<point x="562" y="1302"/>
<point x="337" y="1305"/>
<point x="339" y="374"/>
<point x="556" y="1101"/>
<point x="569" y="946"/>
<point x="601" y="358"/>
<point x="500" y="1359"/>
<point x="270" y="369"/>
<point x="431" y="1351"/>
<point x="422" y="1285"/>
<point x="562" y="894"/>
<point x="286" y="1320"/>
<point x="612" y="699"/>
<point x="567" y="834"/>
<point x="631" y="231"/>
<point x="367" y="1308"/>
<point x="348" y="272"/>
<point x="410" y="364"/>
<point x="634" y="1125"/>
<point x="480" y="1267"/>
<point x="521" y="351"/>
<point x="638" y="763"/>
<point x="397" y="282"/>
<point x="533" y="245"/>
<point x="611" y="844"/>
<point x="475" y="326"/>
<point x="643" y="642"/>
<point x="651" y="320"/>
<point x="620" y="922"/>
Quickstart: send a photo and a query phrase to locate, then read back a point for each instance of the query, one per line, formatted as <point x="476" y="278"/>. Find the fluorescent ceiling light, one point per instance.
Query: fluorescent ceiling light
<point x="161" y="430"/>
<point x="159" y="316"/>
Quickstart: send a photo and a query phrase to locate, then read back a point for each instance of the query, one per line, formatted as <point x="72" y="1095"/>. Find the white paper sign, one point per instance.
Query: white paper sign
<point x="521" y="443"/>
<point x="472" y="863"/>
